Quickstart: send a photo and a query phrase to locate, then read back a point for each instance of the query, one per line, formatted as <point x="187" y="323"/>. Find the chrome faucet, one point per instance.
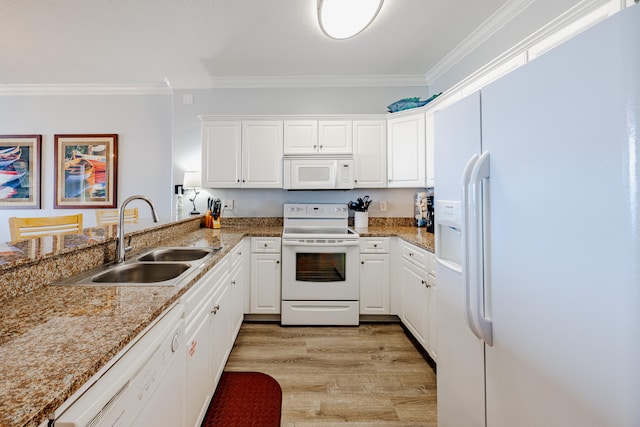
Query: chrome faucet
<point x="121" y="248"/>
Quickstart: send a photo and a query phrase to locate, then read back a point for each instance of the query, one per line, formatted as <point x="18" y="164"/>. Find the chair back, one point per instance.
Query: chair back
<point x="25" y="228"/>
<point x="110" y="216"/>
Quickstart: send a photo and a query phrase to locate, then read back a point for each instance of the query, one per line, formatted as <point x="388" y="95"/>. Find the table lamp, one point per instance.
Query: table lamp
<point x="192" y="179"/>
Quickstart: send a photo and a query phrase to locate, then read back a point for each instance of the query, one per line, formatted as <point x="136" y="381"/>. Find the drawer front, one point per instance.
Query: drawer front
<point x="197" y="295"/>
<point x="374" y="245"/>
<point x="415" y="255"/>
<point x="265" y="244"/>
<point x="235" y="256"/>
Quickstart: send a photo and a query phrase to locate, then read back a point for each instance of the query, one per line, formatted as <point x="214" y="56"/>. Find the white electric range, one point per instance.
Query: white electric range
<point x="320" y="274"/>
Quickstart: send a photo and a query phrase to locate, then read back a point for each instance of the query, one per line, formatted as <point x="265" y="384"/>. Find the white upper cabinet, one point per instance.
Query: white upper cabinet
<point x="300" y="136"/>
<point x="318" y="137"/>
<point x="262" y="154"/>
<point x="222" y="154"/>
<point x="430" y="148"/>
<point x="370" y="153"/>
<point x="242" y="154"/>
<point x="335" y="137"/>
<point x="406" y="144"/>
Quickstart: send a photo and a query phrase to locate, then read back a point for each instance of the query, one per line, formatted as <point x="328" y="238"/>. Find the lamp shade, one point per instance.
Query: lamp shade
<point x="192" y="179"/>
<point x="341" y="19"/>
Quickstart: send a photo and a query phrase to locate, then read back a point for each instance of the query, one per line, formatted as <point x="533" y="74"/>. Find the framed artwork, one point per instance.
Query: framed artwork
<point x="20" y="171"/>
<point x="86" y="171"/>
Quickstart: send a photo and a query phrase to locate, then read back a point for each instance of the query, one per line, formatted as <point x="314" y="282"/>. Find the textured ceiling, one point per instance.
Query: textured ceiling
<point x="191" y="43"/>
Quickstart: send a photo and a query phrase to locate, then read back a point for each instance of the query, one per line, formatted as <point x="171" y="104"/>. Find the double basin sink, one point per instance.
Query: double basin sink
<point x="157" y="267"/>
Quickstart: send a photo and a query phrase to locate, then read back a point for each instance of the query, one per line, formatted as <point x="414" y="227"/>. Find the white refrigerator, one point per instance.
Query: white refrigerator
<point x="537" y="188"/>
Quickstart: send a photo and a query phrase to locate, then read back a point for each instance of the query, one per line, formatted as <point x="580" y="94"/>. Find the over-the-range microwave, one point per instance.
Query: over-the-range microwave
<point x="312" y="173"/>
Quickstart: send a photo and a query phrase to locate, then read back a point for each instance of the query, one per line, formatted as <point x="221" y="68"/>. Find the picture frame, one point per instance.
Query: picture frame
<point x="20" y="157"/>
<point x="86" y="171"/>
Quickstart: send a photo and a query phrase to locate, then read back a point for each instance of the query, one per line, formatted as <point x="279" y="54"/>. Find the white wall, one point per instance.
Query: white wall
<point x="143" y="124"/>
<point x="187" y="140"/>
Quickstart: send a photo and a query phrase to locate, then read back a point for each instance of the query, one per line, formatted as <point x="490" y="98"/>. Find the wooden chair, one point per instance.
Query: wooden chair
<point x="110" y="216"/>
<point x="25" y="228"/>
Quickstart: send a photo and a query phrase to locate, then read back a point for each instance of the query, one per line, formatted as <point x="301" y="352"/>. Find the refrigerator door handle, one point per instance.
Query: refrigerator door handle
<point x="477" y="218"/>
<point x="466" y="176"/>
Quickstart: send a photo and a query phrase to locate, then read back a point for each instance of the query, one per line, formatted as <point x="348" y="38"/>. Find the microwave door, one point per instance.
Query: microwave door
<point x="314" y="174"/>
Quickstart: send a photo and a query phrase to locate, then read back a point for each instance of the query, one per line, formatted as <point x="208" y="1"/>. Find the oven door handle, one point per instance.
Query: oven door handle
<point x="353" y="242"/>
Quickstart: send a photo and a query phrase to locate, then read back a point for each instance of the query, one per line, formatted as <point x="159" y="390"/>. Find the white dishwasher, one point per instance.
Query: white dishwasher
<point x="143" y="388"/>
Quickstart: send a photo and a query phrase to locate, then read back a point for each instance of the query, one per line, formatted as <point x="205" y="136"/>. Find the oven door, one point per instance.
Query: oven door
<point x="320" y="270"/>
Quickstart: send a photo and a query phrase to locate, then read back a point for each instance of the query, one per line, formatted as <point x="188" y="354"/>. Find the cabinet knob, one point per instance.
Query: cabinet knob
<point x="265" y="245"/>
<point x="321" y="147"/>
<point x="238" y="180"/>
<point x="243" y="180"/>
<point x="216" y="308"/>
<point x="315" y="146"/>
<point x="375" y="245"/>
<point x="233" y="282"/>
<point x="278" y="262"/>
<point x="362" y="262"/>
<point x="410" y="253"/>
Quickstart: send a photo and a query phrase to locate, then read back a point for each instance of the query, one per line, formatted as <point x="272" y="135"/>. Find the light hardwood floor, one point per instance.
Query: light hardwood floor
<point x="370" y="375"/>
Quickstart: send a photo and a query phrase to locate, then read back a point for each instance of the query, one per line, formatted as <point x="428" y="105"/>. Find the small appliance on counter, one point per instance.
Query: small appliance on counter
<point x="423" y="209"/>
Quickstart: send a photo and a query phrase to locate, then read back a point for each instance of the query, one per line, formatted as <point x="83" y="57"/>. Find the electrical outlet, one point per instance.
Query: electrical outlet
<point x="228" y="204"/>
<point x="383" y="205"/>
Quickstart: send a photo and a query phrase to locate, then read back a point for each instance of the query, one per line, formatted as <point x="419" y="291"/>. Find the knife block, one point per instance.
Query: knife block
<point x="210" y="222"/>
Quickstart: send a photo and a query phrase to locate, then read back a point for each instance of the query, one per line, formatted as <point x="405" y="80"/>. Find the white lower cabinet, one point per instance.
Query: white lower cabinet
<point x="214" y="313"/>
<point x="222" y="312"/>
<point x="418" y="295"/>
<point x="198" y="372"/>
<point x="265" y="275"/>
<point x="374" y="275"/>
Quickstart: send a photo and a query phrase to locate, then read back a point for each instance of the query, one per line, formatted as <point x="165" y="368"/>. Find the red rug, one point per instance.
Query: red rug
<point x="245" y="399"/>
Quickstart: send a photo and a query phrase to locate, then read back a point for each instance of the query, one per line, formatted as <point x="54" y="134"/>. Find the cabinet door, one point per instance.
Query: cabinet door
<point x="374" y="284"/>
<point x="300" y="136"/>
<point x="370" y="153"/>
<point x="221" y="154"/>
<point x="236" y="301"/>
<point x="432" y="338"/>
<point x="199" y="369"/>
<point x="406" y="151"/>
<point x="430" y="148"/>
<point x="265" y="283"/>
<point x="415" y="303"/>
<point x="335" y="137"/>
<point x="262" y="154"/>
<point x="221" y="310"/>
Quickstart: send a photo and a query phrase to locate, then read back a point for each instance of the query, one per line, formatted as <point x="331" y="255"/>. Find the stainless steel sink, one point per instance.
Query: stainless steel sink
<point x="141" y="272"/>
<point x="164" y="266"/>
<point x="177" y="254"/>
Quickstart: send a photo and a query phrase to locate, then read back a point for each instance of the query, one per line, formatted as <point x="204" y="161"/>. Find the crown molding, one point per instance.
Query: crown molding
<point x="500" y="19"/>
<point x="83" y="89"/>
<point x="318" y="81"/>
<point x="488" y="28"/>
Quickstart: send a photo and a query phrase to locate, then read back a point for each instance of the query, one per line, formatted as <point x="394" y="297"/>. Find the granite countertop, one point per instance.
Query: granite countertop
<point x="417" y="236"/>
<point x="54" y="338"/>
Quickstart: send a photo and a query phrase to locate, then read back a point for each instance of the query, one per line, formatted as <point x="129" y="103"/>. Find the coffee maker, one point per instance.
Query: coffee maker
<point x="430" y="214"/>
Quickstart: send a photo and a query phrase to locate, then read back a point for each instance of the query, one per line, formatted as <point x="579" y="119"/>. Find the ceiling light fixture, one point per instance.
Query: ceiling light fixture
<point x="342" y="19"/>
